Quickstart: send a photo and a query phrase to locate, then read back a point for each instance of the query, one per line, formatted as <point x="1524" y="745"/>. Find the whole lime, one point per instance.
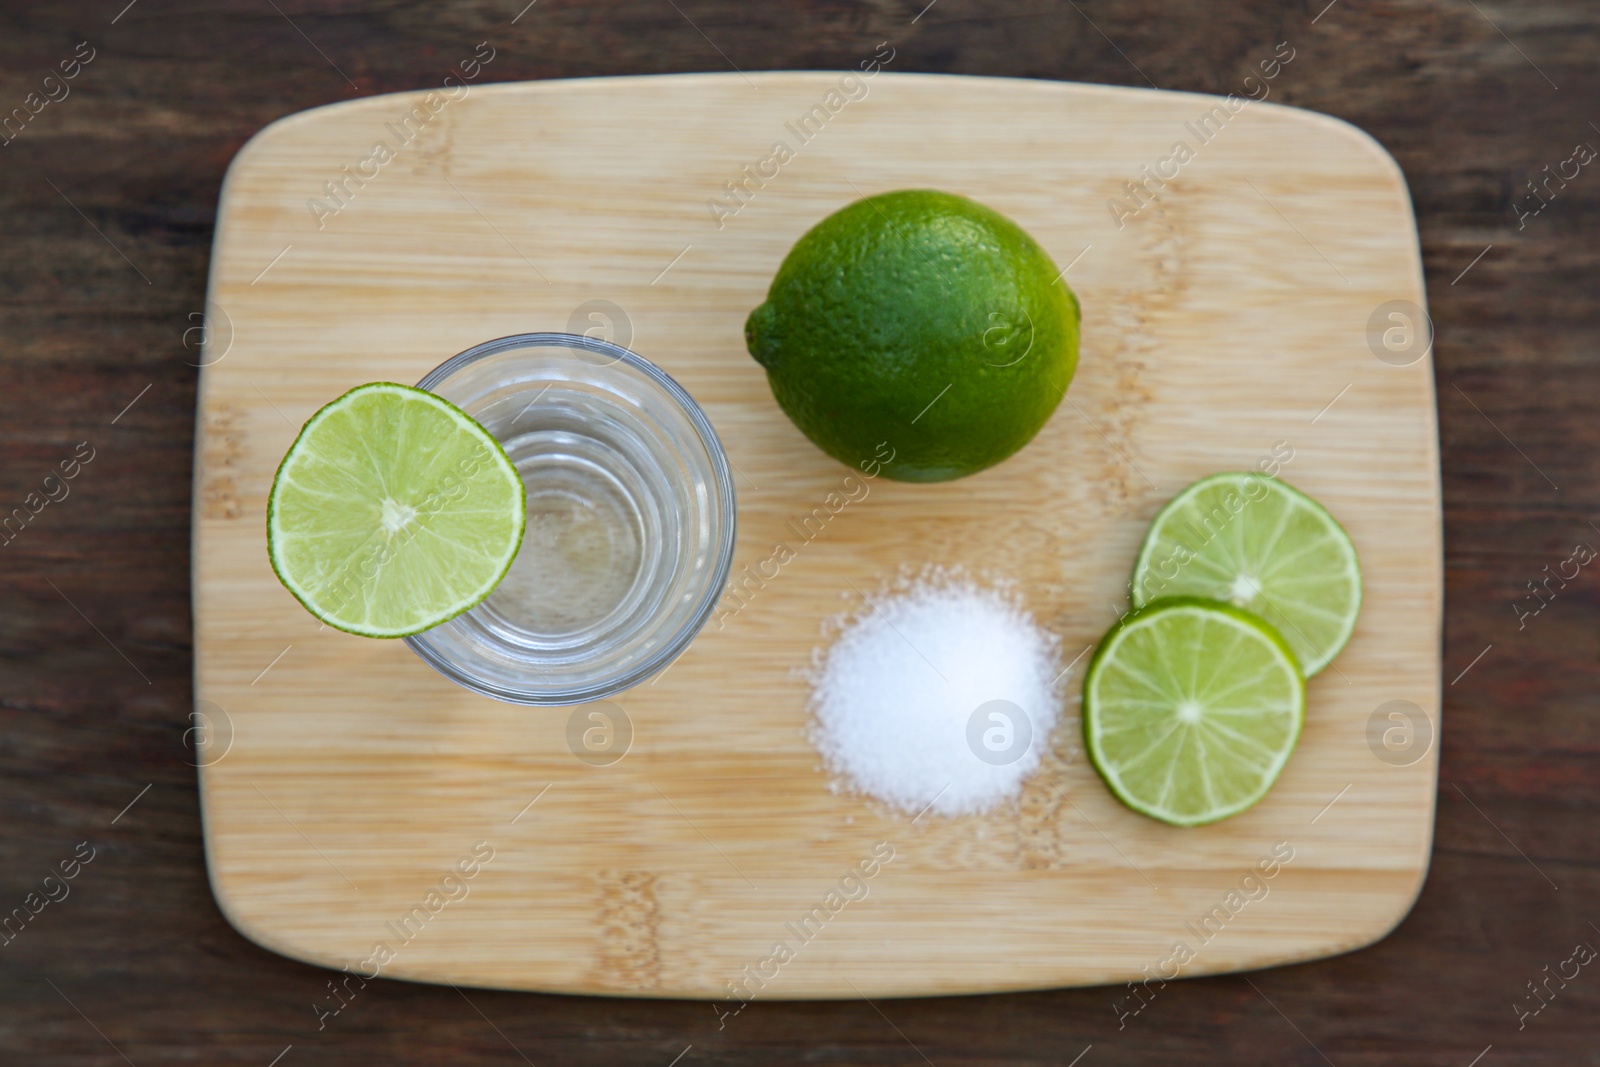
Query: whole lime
<point x="917" y="331"/>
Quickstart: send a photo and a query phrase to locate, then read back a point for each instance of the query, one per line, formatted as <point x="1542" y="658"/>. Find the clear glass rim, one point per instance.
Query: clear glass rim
<point x="722" y="566"/>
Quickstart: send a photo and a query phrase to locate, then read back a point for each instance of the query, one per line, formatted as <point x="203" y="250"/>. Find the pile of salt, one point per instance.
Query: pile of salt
<point x="940" y="697"/>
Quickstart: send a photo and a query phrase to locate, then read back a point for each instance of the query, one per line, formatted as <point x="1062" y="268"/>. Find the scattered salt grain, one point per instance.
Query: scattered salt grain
<point x="939" y="696"/>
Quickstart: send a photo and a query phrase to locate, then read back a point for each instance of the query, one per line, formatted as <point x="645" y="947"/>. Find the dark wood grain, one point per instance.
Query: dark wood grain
<point x="107" y="200"/>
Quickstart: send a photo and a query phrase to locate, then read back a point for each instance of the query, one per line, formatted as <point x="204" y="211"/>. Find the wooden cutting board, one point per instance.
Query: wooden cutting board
<point x="343" y="781"/>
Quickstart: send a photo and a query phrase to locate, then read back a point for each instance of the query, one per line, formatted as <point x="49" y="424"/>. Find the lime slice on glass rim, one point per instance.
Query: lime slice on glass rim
<point x="393" y="511"/>
<point x="1191" y="708"/>
<point x="1262" y="545"/>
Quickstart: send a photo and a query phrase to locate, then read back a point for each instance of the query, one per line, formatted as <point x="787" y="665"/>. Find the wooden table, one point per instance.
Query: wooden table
<point x="108" y="197"/>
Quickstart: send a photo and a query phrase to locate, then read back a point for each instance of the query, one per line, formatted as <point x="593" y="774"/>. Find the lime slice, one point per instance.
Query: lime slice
<point x="393" y="511"/>
<point x="1190" y="709"/>
<point x="1262" y="545"/>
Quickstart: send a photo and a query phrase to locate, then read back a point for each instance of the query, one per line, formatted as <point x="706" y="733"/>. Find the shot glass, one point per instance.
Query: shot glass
<point x="631" y="521"/>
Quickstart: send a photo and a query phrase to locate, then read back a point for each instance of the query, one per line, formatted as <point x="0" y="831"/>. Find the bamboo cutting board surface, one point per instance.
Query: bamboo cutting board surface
<point x="343" y="781"/>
